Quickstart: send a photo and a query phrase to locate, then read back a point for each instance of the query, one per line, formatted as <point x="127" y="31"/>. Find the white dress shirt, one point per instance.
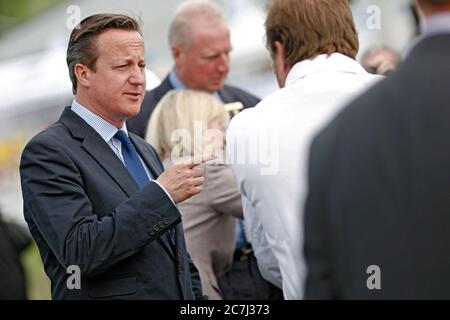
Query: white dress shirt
<point x="268" y="147"/>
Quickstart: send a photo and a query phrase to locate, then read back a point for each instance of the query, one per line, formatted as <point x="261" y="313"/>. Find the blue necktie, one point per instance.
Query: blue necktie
<point x="134" y="165"/>
<point x="132" y="160"/>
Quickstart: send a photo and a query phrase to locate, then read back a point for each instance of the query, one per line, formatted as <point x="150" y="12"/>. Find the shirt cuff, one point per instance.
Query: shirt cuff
<point x="168" y="194"/>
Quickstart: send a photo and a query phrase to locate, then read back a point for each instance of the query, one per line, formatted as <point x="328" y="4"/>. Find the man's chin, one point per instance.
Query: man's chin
<point x="134" y="109"/>
<point x="216" y="87"/>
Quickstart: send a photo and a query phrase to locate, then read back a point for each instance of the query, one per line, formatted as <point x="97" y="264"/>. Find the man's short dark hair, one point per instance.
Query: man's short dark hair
<point x="82" y="45"/>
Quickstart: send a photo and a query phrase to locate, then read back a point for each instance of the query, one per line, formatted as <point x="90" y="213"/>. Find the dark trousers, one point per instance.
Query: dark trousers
<point x="244" y="281"/>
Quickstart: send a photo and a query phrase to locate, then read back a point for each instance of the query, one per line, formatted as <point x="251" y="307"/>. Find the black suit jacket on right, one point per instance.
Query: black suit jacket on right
<point x="380" y="187"/>
<point x="138" y="124"/>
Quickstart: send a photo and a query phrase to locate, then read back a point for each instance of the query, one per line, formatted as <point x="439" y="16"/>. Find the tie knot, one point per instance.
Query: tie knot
<point x="122" y="137"/>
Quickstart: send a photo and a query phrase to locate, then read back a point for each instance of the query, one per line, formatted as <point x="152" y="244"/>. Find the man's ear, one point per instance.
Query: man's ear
<point x="281" y="66"/>
<point x="280" y="57"/>
<point x="82" y="72"/>
<point x="176" y="52"/>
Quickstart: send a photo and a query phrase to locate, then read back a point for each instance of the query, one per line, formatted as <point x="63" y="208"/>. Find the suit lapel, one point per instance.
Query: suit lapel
<point x="106" y="158"/>
<point x="226" y="95"/>
<point x="94" y="145"/>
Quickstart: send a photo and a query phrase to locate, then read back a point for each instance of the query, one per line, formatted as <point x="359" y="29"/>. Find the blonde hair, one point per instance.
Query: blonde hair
<point x="183" y="112"/>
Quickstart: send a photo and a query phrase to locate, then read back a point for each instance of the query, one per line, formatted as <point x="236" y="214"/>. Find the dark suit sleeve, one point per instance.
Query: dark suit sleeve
<point x="317" y="232"/>
<point x="57" y="204"/>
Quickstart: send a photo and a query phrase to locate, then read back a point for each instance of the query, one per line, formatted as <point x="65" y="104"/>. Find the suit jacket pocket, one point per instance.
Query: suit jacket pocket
<point x="104" y="288"/>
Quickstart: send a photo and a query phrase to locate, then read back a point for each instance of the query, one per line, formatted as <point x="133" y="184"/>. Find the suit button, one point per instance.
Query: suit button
<point x="166" y="221"/>
<point x="161" y="224"/>
<point x="156" y="228"/>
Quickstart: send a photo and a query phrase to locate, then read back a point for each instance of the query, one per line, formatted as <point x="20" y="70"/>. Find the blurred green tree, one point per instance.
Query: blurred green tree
<point x="13" y="12"/>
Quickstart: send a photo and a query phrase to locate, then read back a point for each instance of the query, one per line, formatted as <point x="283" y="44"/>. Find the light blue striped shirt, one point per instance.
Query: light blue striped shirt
<point x="107" y="131"/>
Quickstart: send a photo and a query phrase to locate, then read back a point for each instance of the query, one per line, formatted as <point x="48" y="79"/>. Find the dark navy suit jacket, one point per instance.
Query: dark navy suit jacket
<point x="84" y="208"/>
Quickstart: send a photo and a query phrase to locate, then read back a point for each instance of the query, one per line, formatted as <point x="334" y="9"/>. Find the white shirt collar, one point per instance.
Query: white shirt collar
<point x="336" y="61"/>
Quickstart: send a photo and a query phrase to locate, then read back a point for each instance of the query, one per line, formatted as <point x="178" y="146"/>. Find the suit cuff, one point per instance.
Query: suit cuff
<point x="168" y="194"/>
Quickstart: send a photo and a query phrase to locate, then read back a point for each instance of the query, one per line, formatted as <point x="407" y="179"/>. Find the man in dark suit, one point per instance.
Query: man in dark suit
<point x="199" y="38"/>
<point x="378" y="212"/>
<point x="96" y="200"/>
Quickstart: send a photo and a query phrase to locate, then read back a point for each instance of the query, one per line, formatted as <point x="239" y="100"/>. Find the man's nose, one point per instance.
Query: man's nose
<point x="224" y="63"/>
<point x="137" y="76"/>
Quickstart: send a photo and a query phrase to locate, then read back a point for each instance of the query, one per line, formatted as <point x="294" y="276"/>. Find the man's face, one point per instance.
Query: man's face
<point x="204" y="64"/>
<point x="116" y="88"/>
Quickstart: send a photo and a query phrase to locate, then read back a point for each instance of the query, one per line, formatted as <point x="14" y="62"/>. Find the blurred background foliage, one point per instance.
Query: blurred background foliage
<point x="18" y="11"/>
<point x="38" y="284"/>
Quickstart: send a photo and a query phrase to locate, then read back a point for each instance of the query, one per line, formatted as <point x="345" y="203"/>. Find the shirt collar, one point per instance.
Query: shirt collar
<point x="177" y="84"/>
<point x="436" y="24"/>
<point x="323" y="63"/>
<point x="105" y="129"/>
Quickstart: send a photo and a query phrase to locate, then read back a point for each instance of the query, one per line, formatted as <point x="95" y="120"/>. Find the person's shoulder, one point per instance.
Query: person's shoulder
<point x="262" y="110"/>
<point x="233" y="93"/>
<point x="244" y="118"/>
<point x="159" y="91"/>
<point x="365" y="112"/>
<point x="54" y="134"/>
<point x="51" y="142"/>
<point x="238" y="91"/>
<point x="372" y="79"/>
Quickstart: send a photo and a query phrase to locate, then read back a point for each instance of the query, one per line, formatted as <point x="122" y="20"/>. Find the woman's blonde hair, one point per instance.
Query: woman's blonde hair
<point x="180" y="120"/>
